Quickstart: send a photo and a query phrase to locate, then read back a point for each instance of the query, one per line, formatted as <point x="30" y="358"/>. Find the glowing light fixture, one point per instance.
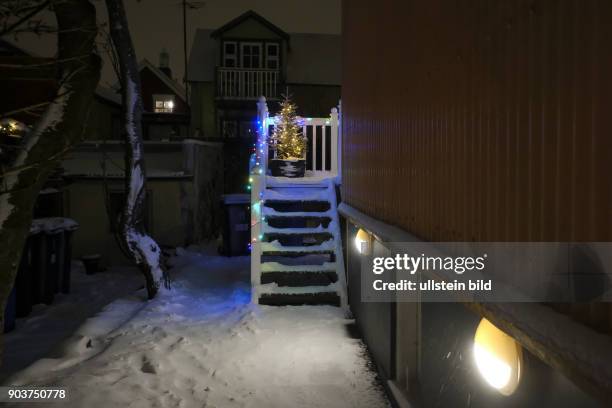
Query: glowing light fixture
<point x="362" y="241"/>
<point x="12" y="128"/>
<point x="499" y="357"/>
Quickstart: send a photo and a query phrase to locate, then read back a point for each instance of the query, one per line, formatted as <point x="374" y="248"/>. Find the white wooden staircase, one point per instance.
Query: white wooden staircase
<point x="300" y="249"/>
<point x="296" y="248"/>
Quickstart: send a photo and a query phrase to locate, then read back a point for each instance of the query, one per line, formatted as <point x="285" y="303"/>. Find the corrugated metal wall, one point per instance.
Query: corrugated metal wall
<point x="480" y="119"/>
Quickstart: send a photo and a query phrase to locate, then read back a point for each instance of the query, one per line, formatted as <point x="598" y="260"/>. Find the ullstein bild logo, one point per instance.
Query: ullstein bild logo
<point x="411" y="264"/>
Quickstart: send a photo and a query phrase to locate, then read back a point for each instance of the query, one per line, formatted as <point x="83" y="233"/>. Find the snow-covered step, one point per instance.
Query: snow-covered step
<point x="299" y="279"/>
<point x="273" y="288"/>
<point x="273" y="182"/>
<point x="296" y="194"/>
<point x="266" y="228"/>
<point x="274" y="295"/>
<point x="267" y="267"/>
<point x="295" y="206"/>
<point x="269" y="211"/>
<point x="277" y="247"/>
<point x="297" y="222"/>
<point x="297" y="239"/>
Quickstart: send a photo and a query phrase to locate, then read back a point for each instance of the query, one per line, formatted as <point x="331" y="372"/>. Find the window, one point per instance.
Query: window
<point x="251" y="55"/>
<point x="163" y="103"/>
<point x="230" y="54"/>
<point x="272" y="56"/>
<point x="229" y="128"/>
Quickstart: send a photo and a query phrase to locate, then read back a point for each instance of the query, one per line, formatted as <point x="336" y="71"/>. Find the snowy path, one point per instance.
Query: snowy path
<point x="39" y="334"/>
<point x="204" y="345"/>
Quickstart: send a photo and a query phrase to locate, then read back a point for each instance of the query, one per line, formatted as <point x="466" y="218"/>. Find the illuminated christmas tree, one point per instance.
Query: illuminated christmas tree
<point x="287" y="137"/>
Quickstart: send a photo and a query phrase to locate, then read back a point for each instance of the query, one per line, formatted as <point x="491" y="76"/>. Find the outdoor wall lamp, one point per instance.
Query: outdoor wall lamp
<point x="363" y="242"/>
<point x="498" y="357"/>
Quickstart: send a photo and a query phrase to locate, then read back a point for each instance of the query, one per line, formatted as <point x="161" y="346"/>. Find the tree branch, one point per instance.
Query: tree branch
<point x="35" y="10"/>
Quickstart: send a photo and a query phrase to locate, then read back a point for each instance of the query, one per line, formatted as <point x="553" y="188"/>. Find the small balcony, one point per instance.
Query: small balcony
<point x="247" y="84"/>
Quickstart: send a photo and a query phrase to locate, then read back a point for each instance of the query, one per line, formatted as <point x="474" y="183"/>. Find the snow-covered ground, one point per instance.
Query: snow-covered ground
<point x="38" y="334"/>
<point x="203" y="344"/>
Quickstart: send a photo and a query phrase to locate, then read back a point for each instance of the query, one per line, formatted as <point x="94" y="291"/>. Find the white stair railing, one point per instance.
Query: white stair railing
<point x="258" y="170"/>
<point x="323" y="155"/>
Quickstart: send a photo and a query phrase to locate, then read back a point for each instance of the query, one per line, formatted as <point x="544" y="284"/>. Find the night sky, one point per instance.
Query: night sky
<point x="158" y="23"/>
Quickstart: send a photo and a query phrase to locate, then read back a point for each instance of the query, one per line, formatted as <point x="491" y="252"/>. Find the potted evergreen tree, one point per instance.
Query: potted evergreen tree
<point x="289" y="144"/>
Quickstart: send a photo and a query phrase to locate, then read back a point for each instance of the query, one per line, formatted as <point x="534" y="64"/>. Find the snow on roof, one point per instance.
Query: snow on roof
<point x="312" y="58"/>
<point x="160" y="164"/>
<point x="53" y="225"/>
<point x="108" y="94"/>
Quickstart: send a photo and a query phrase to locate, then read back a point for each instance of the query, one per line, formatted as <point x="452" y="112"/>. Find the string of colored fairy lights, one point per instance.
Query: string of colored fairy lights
<point x="259" y="149"/>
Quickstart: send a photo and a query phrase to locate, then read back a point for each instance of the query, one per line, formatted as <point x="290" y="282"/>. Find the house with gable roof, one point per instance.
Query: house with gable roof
<point x="231" y="66"/>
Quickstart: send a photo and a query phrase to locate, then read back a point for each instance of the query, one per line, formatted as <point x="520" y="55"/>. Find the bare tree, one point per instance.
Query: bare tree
<point x="143" y="249"/>
<point x="59" y="128"/>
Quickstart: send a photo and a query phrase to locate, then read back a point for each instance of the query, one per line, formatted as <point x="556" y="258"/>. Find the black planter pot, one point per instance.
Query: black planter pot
<point x="288" y="168"/>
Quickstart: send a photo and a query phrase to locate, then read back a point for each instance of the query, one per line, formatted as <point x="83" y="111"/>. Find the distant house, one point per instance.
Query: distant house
<point x="184" y="176"/>
<point x="232" y="66"/>
<point x="166" y="112"/>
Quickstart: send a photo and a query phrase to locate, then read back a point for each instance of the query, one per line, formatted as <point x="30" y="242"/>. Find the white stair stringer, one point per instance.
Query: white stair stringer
<point x="335" y="231"/>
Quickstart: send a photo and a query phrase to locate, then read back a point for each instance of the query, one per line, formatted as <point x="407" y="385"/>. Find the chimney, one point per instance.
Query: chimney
<point x="164" y="63"/>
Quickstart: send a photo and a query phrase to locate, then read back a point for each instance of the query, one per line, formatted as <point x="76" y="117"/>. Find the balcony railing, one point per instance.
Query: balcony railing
<point x="237" y="83"/>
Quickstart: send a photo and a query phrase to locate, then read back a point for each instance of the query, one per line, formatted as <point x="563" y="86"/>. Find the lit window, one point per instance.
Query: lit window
<point x="498" y="357"/>
<point x="163" y="103"/>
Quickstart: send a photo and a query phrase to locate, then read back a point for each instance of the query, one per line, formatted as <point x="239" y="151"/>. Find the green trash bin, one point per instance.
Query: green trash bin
<point x="66" y="272"/>
<point x="23" y="281"/>
<point x="52" y="257"/>
<point x="38" y="250"/>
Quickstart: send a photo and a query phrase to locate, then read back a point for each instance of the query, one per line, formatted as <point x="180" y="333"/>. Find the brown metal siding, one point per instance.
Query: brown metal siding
<point x="480" y="119"/>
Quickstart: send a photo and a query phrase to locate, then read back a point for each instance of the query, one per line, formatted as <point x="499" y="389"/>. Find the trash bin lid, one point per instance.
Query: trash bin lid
<point x="236" y="198"/>
<point x="53" y="225"/>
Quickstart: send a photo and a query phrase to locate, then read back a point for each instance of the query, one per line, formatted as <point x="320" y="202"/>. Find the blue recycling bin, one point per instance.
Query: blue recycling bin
<point x="237" y="224"/>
